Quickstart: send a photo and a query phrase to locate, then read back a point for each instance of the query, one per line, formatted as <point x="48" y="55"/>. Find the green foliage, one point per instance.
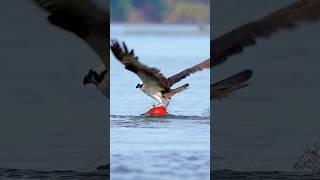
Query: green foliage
<point x="170" y="11"/>
<point x="152" y="9"/>
<point x="190" y="12"/>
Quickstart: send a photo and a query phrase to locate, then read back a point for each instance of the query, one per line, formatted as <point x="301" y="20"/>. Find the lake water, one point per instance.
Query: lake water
<point x="173" y="147"/>
<point x="53" y="128"/>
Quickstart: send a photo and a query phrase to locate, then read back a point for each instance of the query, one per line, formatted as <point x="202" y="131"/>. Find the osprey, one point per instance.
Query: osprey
<point x="155" y="84"/>
<point x="233" y="42"/>
<point x="90" y="23"/>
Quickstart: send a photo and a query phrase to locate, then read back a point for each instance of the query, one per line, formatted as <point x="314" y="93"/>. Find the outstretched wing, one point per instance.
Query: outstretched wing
<point x="286" y="18"/>
<point x="148" y="75"/>
<point x="183" y="74"/>
<point x="223" y="88"/>
<point x="83" y="18"/>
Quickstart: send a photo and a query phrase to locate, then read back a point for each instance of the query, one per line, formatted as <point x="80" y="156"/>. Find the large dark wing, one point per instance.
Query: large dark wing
<point x="83" y="18"/>
<point x="183" y="74"/>
<point x="233" y="42"/>
<point x="223" y="88"/>
<point x="148" y="75"/>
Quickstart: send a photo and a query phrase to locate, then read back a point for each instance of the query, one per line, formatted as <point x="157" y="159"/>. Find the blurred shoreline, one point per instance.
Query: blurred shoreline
<point x="161" y="29"/>
<point x="166" y="11"/>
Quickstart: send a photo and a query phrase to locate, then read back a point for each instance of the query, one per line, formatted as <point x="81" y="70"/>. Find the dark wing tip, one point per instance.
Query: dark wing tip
<point x="116" y="49"/>
<point x="132" y="68"/>
<point x="121" y="50"/>
<point x="114" y="43"/>
<point x="235" y="82"/>
<point x="248" y="73"/>
<point x="125" y="47"/>
<point x="69" y="21"/>
<point x="243" y="76"/>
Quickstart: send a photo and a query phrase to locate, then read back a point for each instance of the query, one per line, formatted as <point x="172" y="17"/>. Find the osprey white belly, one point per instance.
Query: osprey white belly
<point x="156" y="93"/>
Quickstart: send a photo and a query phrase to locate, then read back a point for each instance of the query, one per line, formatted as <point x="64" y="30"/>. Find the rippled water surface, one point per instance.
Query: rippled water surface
<point x="173" y="147"/>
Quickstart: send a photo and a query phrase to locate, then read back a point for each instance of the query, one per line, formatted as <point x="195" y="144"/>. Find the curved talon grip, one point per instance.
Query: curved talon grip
<point x="157" y="111"/>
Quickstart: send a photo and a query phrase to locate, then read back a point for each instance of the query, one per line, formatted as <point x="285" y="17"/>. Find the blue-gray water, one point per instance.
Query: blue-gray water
<point x="167" y="148"/>
<point x="41" y="138"/>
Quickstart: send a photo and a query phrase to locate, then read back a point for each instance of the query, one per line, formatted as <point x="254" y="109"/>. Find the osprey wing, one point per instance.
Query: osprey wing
<point x="147" y="74"/>
<point x="223" y="88"/>
<point x="286" y="18"/>
<point x="183" y="74"/>
<point x="83" y="18"/>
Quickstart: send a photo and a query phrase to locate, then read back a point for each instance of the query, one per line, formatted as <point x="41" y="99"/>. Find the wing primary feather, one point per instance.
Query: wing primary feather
<point x="288" y="17"/>
<point x="125" y="47"/>
<point x="237" y="81"/>
<point x="183" y="74"/>
<point x="116" y="50"/>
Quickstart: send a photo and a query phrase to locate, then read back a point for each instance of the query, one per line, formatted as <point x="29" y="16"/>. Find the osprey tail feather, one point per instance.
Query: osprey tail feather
<point x="172" y="92"/>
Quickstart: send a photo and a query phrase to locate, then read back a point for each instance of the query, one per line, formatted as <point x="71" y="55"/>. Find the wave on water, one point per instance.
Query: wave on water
<point x="145" y="121"/>
<point x="160" y="117"/>
<point x="306" y="167"/>
<point x="309" y="161"/>
<point x="101" y="175"/>
<point x="39" y="174"/>
<point x="261" y="175"/>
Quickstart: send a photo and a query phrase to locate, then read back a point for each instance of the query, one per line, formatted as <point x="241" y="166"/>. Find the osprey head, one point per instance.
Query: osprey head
<point x="95" y="75"/>
<point x="139" y="86"/>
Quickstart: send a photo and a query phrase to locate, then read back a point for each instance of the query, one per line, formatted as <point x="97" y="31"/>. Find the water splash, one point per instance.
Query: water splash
<point x="309" y="161"/>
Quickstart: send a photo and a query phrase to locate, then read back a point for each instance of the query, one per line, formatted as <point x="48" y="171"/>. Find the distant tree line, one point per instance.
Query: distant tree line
<point x="160" y="11"/>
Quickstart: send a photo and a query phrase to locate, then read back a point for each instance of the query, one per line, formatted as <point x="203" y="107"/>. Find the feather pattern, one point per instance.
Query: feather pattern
<point x="131" y="63"/>
<point x="83" y="18"/>
<point x="183" y="74"/>
<point x="233" y="42"/>
<point x="223" y="88"/>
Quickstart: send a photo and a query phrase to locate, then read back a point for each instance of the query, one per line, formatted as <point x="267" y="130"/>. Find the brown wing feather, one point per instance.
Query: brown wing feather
<point x="130" y="61"/>
<point x="183" y="74"/>
<point x="223" y="88"/>
<point x="285" y="18"/>
<point x="83" y="18"/>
